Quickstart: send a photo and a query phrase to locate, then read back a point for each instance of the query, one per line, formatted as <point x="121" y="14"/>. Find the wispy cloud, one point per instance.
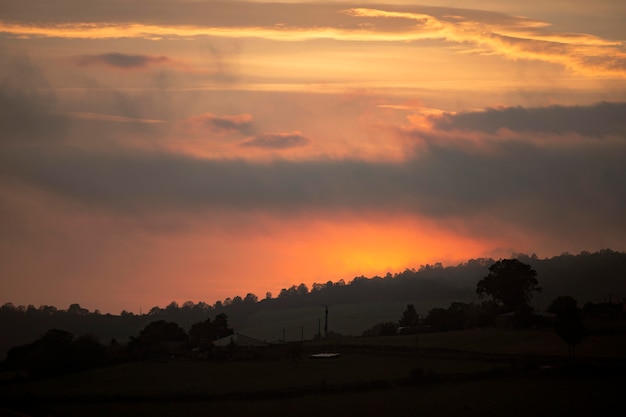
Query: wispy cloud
<point x="276" y="141"/>
<point x="241" y="123"/>
<point x="112" y="118"/>
<point x="470" y="31"/>
<point x="515" y="38"/>
<point x="120" y="61"/>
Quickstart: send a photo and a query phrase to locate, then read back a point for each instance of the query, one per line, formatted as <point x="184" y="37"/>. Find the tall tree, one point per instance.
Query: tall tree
<point x="410" y="317"/>
<point x="569" y="322"/>
<point x="510" y="283"/>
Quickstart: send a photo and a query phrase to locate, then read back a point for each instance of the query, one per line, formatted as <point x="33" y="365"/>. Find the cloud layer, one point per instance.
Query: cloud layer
<point x="519" y="166"/>
<point x="593" y="121"/>
<point x="216" y="147"/>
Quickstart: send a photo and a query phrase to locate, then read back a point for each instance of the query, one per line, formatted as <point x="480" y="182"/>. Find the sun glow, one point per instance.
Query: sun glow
<point x="179" y="149"/>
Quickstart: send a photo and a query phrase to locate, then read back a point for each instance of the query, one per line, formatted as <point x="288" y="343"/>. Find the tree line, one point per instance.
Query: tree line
<point x="509" y="287"/>
<point x="58" y="351"/>
<point x="589" y="277"/>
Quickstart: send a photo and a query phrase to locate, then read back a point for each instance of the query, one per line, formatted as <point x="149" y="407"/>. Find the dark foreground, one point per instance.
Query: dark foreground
<point x="368" y="379"/>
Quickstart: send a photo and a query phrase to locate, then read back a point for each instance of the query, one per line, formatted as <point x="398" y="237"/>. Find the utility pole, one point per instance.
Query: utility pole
<point x="326" y="324"/>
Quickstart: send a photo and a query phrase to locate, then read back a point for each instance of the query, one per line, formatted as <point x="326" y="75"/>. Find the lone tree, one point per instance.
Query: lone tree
<point x="510" y="283"/>
<point x="569" y="322"/>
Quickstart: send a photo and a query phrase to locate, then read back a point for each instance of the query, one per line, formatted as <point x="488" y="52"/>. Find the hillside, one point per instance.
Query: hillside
<point x="299" y="312"/>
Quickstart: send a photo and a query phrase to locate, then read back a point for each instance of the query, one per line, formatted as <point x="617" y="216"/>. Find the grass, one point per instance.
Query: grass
<point x="368" y="379"/>
<point x="500" y="341"/>
<point x="191" y="377"/>
<point x="519" y="396"/>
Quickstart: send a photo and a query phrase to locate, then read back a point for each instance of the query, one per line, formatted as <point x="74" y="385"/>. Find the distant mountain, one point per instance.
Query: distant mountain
<point x="300" y="312"/>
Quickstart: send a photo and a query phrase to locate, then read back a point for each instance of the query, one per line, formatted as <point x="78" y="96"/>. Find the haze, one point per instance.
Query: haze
<point x="166" y="150"/>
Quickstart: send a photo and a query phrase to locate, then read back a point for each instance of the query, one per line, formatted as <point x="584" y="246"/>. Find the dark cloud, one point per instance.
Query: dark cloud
<point x="594" y="120"/>
<point x="122" y="61"/>
<point x="556" y="191"/>
<point x="25" y="116"/>
<point x="227" y="124"/>
<point x="276" y="141"/>
<point x="241" y="123"/>
<point x="561" y="194"/>
<point x="34" y="116"/>
<point x="521" y="181"/>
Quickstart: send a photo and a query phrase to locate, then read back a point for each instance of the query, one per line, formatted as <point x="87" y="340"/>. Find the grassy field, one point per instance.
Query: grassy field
<point x="501" y="341"/>
<point x="473" y="372"/>
<point x="511" y="397"/>
<point x="216" y="379"/>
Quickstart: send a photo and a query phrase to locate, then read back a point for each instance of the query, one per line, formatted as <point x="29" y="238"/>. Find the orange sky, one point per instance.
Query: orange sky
<point x="186" y="150"/>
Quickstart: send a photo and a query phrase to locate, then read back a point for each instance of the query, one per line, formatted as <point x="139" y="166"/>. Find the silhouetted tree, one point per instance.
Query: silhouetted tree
<point x="201" y="334"/>
<point x="155" y="311"/>
<point x="251" y="298"/>
<point x="510" y="283"/>
<point x="569" y="322"/>
<point x="48" y="310"/>
<point x="77" y="309"/>
<point x="158" y="339"/>
<point x="172" y="307"/>
<point x="87" y="352"/>
<point x="302" y="290"/>
<point x="409" y="318"/>
<point x="50" y="354"/>
<point x="55" y="353"/>
<point x="162" y="331"/>
<point x="457" y="316"/>
<point x="489" y="310"/>
<point x="220" y="327"/>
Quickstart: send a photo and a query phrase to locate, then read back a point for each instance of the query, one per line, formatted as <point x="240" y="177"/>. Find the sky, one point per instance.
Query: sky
<point x="171" y="150"/>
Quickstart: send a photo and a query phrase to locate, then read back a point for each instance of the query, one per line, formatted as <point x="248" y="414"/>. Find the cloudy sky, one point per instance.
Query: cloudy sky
<point x="180" y="150"/>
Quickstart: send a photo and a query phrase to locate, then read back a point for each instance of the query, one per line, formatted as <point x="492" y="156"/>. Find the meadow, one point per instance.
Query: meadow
<point x="471" y="372"/>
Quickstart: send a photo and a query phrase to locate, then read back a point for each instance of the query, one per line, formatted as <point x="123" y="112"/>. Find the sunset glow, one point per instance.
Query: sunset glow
<point x="185" y="150"/>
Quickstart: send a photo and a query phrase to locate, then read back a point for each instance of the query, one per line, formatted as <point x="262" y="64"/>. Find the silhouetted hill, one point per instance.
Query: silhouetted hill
<point x="299" y="311"/>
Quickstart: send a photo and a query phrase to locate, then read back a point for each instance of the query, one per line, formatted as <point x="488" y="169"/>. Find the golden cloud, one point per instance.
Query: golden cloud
<point x="510" y="37"/>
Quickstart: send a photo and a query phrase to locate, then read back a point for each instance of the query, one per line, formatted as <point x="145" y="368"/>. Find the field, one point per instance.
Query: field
<point x="474" y="372"/>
